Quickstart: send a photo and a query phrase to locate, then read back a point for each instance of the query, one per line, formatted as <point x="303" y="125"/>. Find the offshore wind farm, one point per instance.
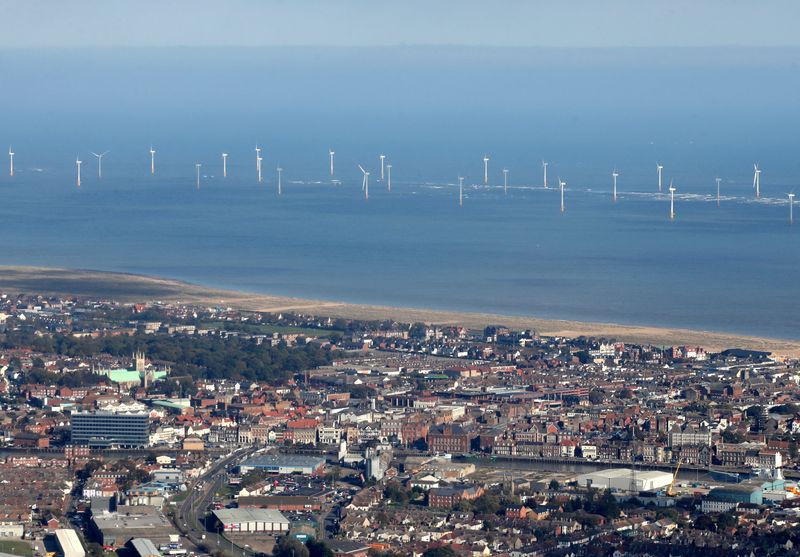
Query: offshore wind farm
<point x="436" y="222"/>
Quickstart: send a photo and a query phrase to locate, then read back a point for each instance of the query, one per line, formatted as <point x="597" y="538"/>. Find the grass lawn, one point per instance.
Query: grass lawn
<point x="15" y="548"/>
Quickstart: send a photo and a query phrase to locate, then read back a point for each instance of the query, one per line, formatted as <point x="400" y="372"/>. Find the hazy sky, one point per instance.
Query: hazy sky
<point x="557" y="23"/>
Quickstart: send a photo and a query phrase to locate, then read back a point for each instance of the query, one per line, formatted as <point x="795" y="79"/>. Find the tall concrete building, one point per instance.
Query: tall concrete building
<point x="110" y="429"/>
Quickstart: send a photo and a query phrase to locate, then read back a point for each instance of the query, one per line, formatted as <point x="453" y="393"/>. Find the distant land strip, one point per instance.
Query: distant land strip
<point x="125" y="287"/>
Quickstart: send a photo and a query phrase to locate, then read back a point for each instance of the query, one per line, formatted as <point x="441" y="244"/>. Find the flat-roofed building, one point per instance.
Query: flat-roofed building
<point x="625" y="479"/>
<point x="110" y="429"/>
<point x="251" y="520"/>
<point x="284" y="464"/>
<point x="117" y="528"/>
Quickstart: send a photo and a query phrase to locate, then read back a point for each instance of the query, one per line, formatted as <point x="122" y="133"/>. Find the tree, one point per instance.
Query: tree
<point x="288" y="546"/>
<point x="705" y="522"/>
<point x="596" y="396"/>
<point x="486" y="504"/>
<point x="554" y="485"/>
<point x="318" y="549"/>
<point x="441" y="551"/>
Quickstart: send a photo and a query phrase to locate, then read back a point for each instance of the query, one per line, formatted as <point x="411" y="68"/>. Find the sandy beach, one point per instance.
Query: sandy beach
<point x="136" y="288"/>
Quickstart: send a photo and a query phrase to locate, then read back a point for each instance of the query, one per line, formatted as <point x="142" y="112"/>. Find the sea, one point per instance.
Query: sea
<point x="434" y="112"/>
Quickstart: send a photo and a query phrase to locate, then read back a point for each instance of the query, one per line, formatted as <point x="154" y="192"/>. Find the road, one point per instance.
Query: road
<point x="190" y="514"/>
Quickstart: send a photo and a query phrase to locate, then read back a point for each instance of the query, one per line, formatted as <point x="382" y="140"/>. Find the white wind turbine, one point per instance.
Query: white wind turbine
<point x="365" y="182"/>
<point x="11" y="161"/>
<point x="562" y="185"/>
<point x="544" y="169"/>
<point x="718" y="179"/>
<point x="389" y="177"/>
<point x="659" y="168"/>
<point x="197" y="168"/>
<point x="505" y="181"/>
<point x="383" y="158"/>
<point x="791" y="207"/>
<point x="330" y="154"/>
<point x="671" y="201"/>
<point x="78" y="163"/>
<point x="280" y="172"/>
<point x="152" y="160"/>
<point x="485" y="169"/>
<point x="614" y="175"/>
<point x="460" y="191"/>
<point x="99" y="163"/>
<point x="258" y="163"/>
<point x="224" y="165"/>
<point x="757" y="180"/>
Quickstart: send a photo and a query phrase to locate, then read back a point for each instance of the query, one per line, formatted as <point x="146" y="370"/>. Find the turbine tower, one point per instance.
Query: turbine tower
<point x="544" y="169"/>
<point x="224" y="165"/>
<point x="485" y="169"/>
<point x="389" y="177"/>
<point x="364" y="182"/>
<point x="383" y="158"/>
<point x="99" y="163"/>
<point x="460" y="191"/>
<point x="280" y="171"/>
<point x="562" y="185"/>
<point x="330" y="154"/>
<point x="757" y="180"/>
<point x="258" y="163"/>
<point x="78" y="163"/>
<point x="791" y="208"/>
<point x="671" y="201"/>
<point x="505" y="181"/>
<point x="659" y="168"/>
<point x="614" y="176"/>
<point x="11" y="160"/>
<point x="718" y="181"/>
<point x="197" y="168"/>
<point x="152" y="160"/>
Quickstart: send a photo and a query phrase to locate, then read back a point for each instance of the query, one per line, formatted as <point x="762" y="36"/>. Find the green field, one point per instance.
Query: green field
<point x="15" y="548"/>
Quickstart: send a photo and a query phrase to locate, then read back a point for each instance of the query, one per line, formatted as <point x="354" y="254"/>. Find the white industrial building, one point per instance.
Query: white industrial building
<point x="68" y="543"/>
<point x="625" y="479"/>
<point x="252" y="520"/>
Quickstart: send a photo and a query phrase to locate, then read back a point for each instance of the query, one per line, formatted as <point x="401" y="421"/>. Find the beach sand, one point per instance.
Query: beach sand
<point x="136" y="288"/>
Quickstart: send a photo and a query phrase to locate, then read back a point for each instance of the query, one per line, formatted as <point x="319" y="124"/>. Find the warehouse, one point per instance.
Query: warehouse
<point x="142" y="547"/>
<point x="68" y="543"/>
<point x="251" y="520"/>
<point x="625" y="479"/>
<point x="115" y="529"/>
<point x="285" y="464"/>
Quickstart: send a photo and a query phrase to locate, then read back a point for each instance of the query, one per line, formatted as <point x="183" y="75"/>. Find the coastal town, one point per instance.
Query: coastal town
<point x="149" y="429"/>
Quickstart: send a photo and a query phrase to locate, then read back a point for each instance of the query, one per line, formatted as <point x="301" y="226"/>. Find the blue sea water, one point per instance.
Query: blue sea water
<point x="434" y="112"/>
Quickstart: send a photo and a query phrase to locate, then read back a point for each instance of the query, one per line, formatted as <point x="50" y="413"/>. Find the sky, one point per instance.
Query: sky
<point x="552" y="23"/>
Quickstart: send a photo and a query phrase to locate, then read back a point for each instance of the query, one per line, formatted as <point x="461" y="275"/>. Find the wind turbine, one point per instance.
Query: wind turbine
<point x="544" y="168"/>
<point x="11" y="159"/>
<point x="389" y="176"/>
<point x="791" y="208"/>
<point x="197" y="168"/>
<point x="365" y="182"/>
<point x="152" y="160"/>
<point x="331" y="153"/>
<point x="718" y="179"/>
<point x="757" y="180"/>
<point x="562" y="185"/>
<point x="671" y="201"/>
<point x="258" y="162"/>
<point x="383" y="158"/>
<point x="224" y="165"/>
<point x="659" y="168"/>
<point x="280" y="170"/>
<point x="505" y="181"/>
<point x="485" y="169"/>
<point x="78" y="163"/>
<point x="614" y="176"/>
<point x="99" y="163"/>
<point x="460" y="191"/>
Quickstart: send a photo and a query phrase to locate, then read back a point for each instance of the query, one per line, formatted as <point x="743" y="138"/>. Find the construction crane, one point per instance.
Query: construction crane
<point x="670" y="491"/>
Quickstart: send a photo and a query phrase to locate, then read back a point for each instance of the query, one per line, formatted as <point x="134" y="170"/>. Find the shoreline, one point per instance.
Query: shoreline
<point x="126" y="287"/>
